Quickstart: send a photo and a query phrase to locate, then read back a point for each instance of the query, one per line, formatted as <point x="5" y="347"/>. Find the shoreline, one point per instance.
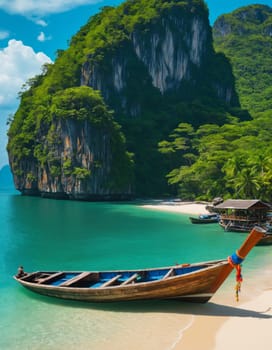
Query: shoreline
<point x="190" y="208"/>
<point x="244" y="324"/>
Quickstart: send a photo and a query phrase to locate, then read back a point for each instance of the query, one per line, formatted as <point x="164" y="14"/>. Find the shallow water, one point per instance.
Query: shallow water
<point x="49" y="234"/>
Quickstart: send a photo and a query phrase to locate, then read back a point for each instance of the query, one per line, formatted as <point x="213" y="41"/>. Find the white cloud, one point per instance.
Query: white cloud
<point x="4" y="34"/>
<point x="42" y="7"/>
<point x="41" y="37"/>
<point x="18" y="63"/>
<point x="41" y="22"/>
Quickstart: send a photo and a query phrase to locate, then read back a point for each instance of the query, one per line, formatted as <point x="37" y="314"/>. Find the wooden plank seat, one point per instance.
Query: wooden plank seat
<point x="168" y="274"/>
<point x="110" y="281"/>
<point x="75" y="279"/>
<point x="130" y="279"/>
<point x="28" y="276"/>
<point x="50" y="277"/>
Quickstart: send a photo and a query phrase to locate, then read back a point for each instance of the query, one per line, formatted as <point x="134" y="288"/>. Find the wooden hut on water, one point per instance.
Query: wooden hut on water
<point x="240" y="215"/>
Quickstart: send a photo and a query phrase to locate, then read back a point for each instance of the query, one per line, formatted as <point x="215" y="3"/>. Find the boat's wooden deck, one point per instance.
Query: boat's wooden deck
<point x="106" y="279"/>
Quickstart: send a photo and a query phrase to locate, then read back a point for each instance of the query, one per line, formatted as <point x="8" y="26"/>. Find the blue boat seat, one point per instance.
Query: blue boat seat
<point x="63" y="279"/>
<point x="106" y="280"/>
<point x="188" y="269"/>
<point x="130" y="279"/>
<point x="169" y="273"/>
<point x="97" y="284"/>
<point x="155" y="275"/>
<point x="50" y="278"/>
<point x="81" y="276"/>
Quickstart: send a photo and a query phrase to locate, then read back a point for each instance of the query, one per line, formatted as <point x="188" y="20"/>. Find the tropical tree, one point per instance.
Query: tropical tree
<point x="246" y="184"/>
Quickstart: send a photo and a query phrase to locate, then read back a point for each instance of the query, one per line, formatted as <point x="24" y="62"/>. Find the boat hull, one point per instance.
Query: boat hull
<point x="267" y="240"/>
<point x="203" y="221"/>
<point x="196" y="286"/>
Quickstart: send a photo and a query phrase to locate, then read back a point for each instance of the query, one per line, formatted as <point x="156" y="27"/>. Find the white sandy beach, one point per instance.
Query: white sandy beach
<point x="180" y="207"/>
<point x="226" y="323"/>
<point x="251" y="331"/>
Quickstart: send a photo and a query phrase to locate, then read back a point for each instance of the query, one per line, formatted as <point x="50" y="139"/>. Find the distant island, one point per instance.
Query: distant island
<point x="6" y="179"/>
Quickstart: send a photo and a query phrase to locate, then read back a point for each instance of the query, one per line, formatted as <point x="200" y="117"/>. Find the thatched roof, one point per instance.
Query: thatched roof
<point x="243" y="204"/>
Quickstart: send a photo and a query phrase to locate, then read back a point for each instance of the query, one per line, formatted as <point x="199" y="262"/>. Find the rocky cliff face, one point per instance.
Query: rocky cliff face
<point x="79" y="165"/>
<point x="76" y="157"/>
<point x="168" y="52"/>
<point x="151" y="67"/>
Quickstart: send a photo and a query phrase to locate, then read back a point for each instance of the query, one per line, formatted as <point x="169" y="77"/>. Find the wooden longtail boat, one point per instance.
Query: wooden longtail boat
<point x="195" y="282"/>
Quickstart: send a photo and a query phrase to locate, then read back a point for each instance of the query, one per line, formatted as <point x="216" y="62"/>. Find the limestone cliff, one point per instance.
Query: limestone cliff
<point x="154" y="65"/>
<point x="170" y="51"/>
<point x="77" y="155"/>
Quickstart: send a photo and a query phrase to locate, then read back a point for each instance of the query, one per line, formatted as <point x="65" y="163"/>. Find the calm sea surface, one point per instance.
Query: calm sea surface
<point x="49" y="234"/>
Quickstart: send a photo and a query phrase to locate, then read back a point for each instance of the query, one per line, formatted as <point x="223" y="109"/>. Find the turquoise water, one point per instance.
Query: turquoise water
<point x="47" y="234"/>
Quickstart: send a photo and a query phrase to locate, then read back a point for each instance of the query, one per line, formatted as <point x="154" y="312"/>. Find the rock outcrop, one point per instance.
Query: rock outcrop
<point x="170" y="51"/>
<point x="77" y="155"/>
<point x="153" y="68"/>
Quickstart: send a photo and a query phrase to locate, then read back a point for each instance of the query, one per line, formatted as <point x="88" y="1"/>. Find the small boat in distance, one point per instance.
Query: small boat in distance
<point x="195" y="282"/>
<point x="266" y="240"/>
<point x="205" y="219"/>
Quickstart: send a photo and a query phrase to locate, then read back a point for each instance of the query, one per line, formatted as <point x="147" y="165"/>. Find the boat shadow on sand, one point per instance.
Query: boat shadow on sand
<point x="158" y="306"/>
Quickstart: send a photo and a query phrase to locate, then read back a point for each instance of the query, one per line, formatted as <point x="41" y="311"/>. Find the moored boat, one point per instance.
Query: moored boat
<point x="195" y="282"/>
<point x="205" y="219"/>
<point x="235" y="227"/>
<point x="267" y="240"/>
<point x="231" y="227"/>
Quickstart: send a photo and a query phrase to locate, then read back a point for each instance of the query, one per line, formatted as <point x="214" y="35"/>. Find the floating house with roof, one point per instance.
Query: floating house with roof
<point x="241" y="215"/>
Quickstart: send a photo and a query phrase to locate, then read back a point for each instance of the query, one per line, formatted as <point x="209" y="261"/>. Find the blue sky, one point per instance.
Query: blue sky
<point x="31" y="31"/>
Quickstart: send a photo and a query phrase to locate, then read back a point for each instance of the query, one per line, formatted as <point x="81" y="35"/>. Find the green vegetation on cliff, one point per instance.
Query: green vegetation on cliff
<point x="245" y="37"/>
<point x="111" y="53"/>
<point x="233" y="160"/>
<point x="145" y="76"/>
<point x="36" y="140"/>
